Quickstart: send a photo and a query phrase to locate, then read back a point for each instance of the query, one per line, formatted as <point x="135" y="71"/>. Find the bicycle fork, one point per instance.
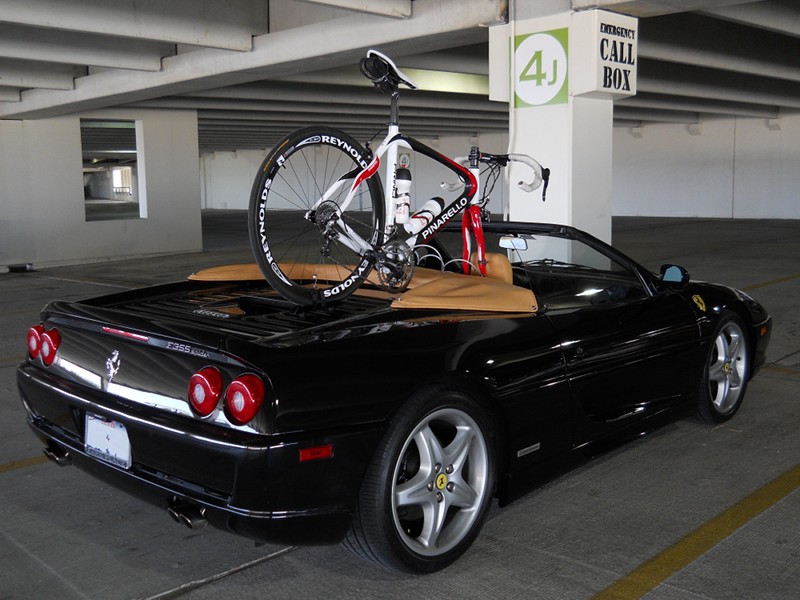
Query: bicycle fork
<point x="471" y="221"/>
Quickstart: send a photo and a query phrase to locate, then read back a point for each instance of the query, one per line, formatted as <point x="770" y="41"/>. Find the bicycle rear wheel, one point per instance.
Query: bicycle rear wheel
<point x="298" y="242"/>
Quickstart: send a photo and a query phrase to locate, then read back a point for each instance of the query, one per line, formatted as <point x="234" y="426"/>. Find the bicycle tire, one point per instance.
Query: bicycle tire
<point x="298" y="259"/>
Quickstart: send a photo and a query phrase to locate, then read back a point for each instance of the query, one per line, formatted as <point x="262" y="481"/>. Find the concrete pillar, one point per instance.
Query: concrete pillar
<point x="560" y="74"/>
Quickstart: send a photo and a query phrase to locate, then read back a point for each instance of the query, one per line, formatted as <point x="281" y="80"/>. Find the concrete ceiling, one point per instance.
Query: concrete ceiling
<point x="255" y="69"/>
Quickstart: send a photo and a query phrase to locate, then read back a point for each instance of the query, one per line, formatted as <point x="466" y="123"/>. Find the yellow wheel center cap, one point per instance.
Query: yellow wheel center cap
<point x="441" y="481"/>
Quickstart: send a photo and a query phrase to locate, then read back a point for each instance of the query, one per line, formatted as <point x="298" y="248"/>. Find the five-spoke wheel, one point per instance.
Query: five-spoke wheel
<point x="427" y="493"/>
<point x="726" y="372"/>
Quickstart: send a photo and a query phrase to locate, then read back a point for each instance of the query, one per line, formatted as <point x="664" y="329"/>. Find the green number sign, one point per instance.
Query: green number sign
<point x="540" y="65"/>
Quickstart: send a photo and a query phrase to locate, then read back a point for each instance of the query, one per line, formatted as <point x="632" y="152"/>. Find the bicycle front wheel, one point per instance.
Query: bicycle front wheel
<point x="311" y="250"/>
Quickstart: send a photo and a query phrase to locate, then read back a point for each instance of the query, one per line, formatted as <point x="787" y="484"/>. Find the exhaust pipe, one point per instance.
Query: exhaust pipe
<point x="58" y="454"/>
<point x="187" y="513"/>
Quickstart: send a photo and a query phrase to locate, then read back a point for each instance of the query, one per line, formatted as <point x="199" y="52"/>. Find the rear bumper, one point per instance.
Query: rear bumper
<point x="250" y="484"/>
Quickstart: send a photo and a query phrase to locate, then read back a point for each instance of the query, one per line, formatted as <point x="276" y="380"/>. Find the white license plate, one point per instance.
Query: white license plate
<point x="108" y="441"/>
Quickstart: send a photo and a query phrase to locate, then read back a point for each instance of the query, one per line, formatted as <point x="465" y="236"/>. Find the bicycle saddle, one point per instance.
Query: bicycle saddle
<point x="381" y="71"/>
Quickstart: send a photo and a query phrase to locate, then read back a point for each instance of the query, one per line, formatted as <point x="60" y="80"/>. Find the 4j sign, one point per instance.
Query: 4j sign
<point x="540" y="68"/>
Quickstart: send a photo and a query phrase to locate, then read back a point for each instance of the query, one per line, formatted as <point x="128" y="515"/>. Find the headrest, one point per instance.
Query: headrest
<point x="497" y="266"/>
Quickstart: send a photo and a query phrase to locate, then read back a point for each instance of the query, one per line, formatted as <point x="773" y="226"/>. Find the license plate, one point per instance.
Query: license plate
<point x="108" y="441"/>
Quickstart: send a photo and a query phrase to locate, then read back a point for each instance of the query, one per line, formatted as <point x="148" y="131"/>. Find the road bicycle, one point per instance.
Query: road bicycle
<point x="320" y="220"/>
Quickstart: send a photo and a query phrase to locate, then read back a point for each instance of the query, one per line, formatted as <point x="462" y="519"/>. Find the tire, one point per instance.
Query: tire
<point x="726" y="371"/>
<point x="282" y="234"/>
<point x="429" y="487"/>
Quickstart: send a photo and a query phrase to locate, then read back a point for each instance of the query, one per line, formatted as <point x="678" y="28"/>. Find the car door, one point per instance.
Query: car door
<point x="627" y="358"/>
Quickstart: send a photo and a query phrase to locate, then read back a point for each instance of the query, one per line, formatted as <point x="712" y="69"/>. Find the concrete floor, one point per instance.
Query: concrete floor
<point x="691" y="511"/>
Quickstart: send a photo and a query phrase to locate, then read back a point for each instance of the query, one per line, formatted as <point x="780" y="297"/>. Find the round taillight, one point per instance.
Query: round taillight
<point x="35" y="334"/>
<point x="244" y="397"/>
<point x="51" y="340"/>
<point x="205" y="389"/>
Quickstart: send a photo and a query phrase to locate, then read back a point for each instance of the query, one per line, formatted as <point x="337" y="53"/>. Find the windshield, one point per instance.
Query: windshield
<point x="561" y="271"/>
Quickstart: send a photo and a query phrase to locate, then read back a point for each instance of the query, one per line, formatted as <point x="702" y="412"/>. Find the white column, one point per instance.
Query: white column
<point x="560" y="74"/>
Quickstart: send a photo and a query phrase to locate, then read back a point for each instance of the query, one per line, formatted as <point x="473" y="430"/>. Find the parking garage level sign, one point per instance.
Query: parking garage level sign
<point x="540" y="68"/>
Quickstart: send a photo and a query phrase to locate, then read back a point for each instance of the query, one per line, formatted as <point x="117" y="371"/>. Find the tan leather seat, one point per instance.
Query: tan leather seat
<point x="497" y="266"/>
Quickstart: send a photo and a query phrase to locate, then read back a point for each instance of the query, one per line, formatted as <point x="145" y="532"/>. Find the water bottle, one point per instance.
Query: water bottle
<point x="402" y="195"/>
<point x="427" y="213"/>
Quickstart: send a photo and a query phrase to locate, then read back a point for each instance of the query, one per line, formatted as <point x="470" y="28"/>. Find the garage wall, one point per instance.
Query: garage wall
<point x="42" y="213"/>
<point x="727" y="168"/>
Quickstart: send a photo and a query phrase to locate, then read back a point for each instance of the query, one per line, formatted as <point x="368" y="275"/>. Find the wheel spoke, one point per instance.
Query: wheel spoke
<point x="734" y="349"/>
<point x="430" y="449"/>
<point x="735" y="379"/>
<point x="723" y="349"/>
<point x="723" y="389"/>
<point x="463" y="496"/>
<point x="414" y="491"/>
<point x="457" y="451"/>
<point x="716" y="372"/>
<point x="434" y="517"/>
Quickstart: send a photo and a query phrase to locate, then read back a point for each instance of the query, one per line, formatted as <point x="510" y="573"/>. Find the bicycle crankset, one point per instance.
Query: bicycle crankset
<point x="395" y="266"/>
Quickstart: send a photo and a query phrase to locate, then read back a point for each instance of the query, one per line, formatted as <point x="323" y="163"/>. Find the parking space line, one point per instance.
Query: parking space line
<point x="756" y="286"/>
<point x="21" y="464"/>
<point x="791" y="371"/>
<point x="7" y="361"/>
<point x="89" y="281"/>
<point x="678" y="556"/>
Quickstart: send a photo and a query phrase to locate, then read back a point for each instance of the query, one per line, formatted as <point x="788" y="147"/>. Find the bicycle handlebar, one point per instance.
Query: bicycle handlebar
<point x="535" y="167"/>
<point x="539" y="174"/>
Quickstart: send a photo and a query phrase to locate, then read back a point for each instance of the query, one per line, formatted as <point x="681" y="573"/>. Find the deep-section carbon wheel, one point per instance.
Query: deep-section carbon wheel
<point x="726" y="372"/>
<point x="297" y="239"/>
<point x="430" y="486"/>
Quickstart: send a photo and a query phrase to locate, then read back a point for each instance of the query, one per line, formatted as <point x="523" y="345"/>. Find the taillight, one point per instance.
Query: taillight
<point x="205" y="390"/>
<point x="244" y="397"/>
<point x="35" y="334"/>
<point x="51" y="340"/>
<point x="43" y="343"/>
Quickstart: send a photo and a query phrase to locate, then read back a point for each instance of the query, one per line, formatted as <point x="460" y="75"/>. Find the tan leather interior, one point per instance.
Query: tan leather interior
<point x="325" y="272"/>
<point x="429" y="288"/>
<point x="463" y="292"/>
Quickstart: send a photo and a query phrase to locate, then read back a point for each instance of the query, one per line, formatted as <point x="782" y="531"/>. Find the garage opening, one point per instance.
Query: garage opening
<point x="111" y="170"/>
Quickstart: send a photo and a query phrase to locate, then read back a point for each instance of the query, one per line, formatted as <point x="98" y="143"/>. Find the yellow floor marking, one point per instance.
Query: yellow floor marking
<point x="21" y="464"/>
<point x="755" y="286"/>
<point x="678" y="556"/>
<point x="794" y="371"/>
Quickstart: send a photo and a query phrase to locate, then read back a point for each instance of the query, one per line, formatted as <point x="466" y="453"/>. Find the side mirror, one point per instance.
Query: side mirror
<point x="674" y="274"/>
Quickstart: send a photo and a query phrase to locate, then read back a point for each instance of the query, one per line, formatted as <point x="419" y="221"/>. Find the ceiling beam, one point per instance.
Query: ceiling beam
<point x="398" y="9"/>
<point x="672" y="79"/>
<point x="336" y="43"/>
<point x="70" y="47"/>
<point x="703" y="41"/>
<point x="229" y="25"/>
<point x="29" y="74"/>
<point x="9" y="94"/>
<point x="651" y="8"/>
<point x="781" y="17"/>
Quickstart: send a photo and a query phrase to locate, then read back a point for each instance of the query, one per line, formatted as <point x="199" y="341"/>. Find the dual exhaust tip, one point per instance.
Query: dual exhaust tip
<point x="181" y="510"/>
<point x="187" y="513"/>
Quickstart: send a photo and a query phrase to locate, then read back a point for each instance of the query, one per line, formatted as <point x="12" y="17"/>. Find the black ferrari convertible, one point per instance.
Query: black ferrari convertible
<point x="388" y="421"/>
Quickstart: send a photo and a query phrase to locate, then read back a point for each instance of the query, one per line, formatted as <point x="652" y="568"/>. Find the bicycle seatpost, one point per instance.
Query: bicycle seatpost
<point x="394" y="114"/>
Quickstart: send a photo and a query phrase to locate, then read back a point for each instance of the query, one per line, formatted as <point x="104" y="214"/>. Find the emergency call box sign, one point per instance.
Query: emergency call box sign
<point x="604" y="54"/>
